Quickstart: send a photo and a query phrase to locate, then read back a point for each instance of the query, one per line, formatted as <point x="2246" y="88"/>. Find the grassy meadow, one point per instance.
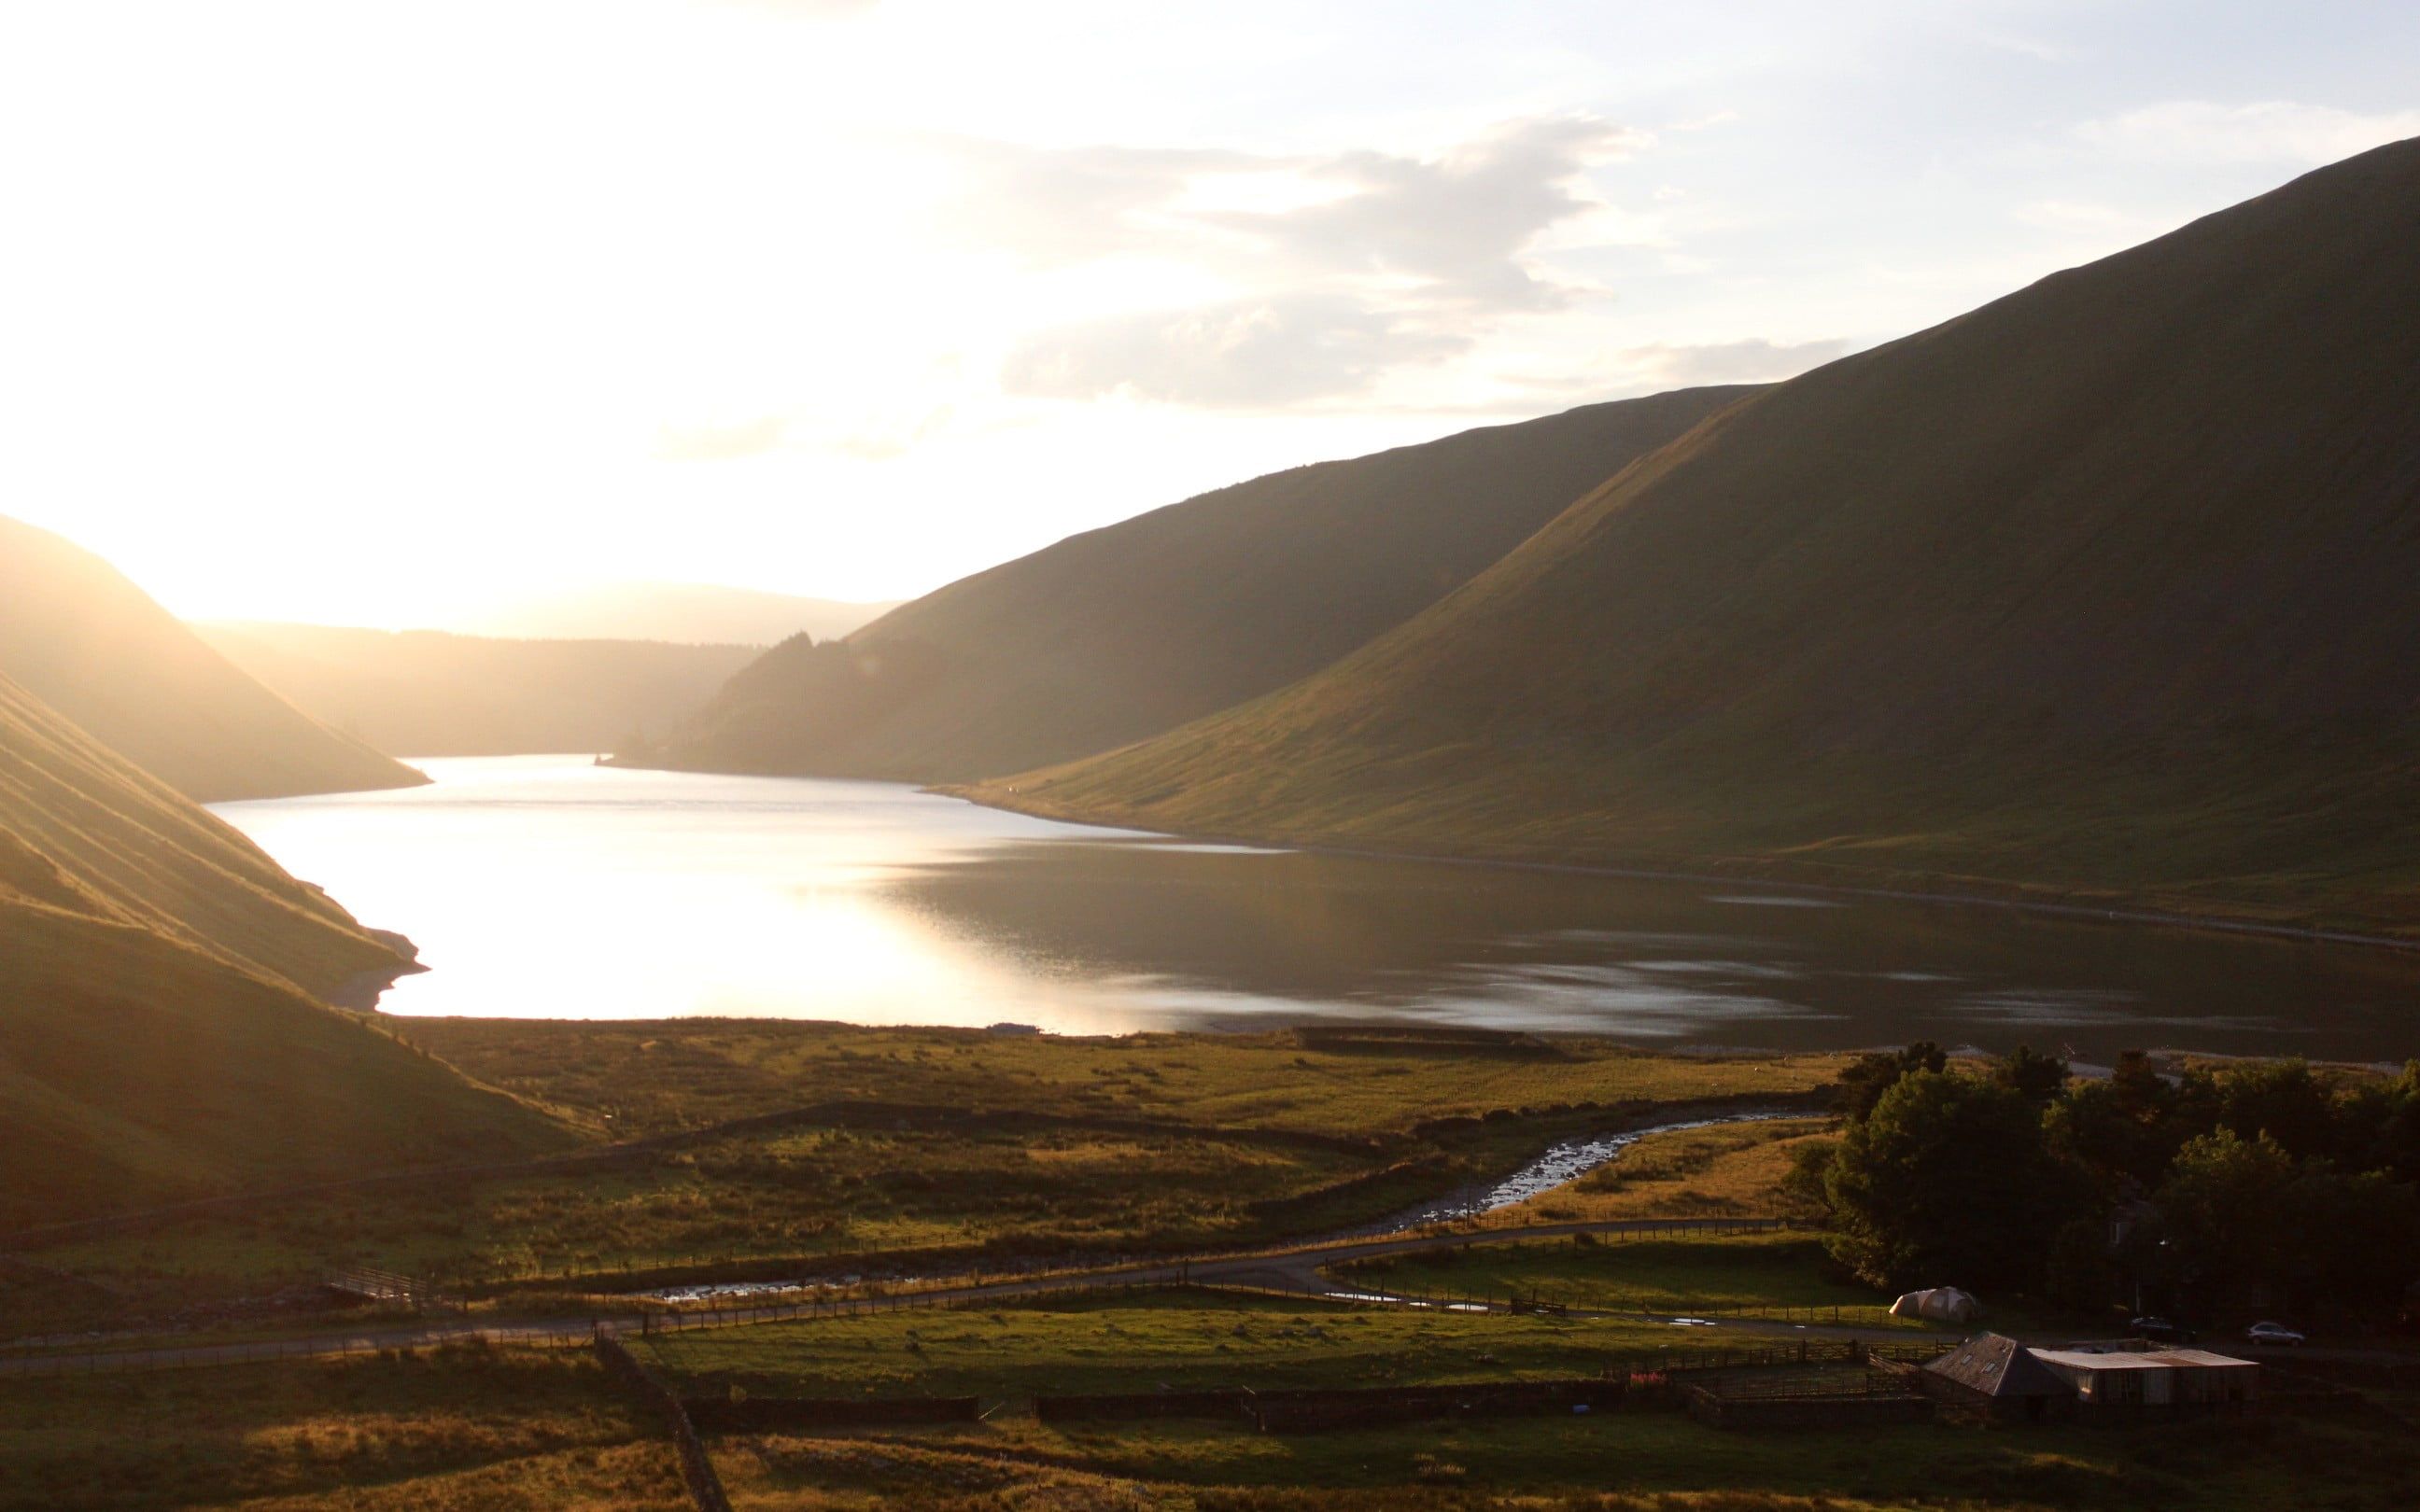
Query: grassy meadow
<point x="459" y="1428"/>
<point x="476" y="1428"/>
<point x="1140" y="1341"/>
<point x="456" y="1428"/>
<point x="1732" y="1170"/>
<point x="657" y="1077"/>
<point x="926" y="1147"/>
<point x="1632" y="1459"/>
<point x="1723" y="1274"/>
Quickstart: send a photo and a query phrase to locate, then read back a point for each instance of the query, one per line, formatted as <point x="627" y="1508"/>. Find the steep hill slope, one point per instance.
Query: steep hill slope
<point x="2106" y="585"/>
<point x="158" y="1033"/>
<point x="427" y="693"/>
<point x="1121" y="633"/>
<point x="81" y="637"/>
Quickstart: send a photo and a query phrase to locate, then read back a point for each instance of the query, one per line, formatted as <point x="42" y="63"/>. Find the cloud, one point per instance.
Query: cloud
<point x="2198" y="132"/>
<point x="1246" y="354"/>
<point x="1336" y="268"/>
<point x="803" y="10"/>
<point x="1447" y="228"/>
<point x="1755" y="360"/>
<point x="721" y="443"/>
<point x="2040" y="52"/>
<point x="1075" y="204"/>
<point x="1453" y="226"/>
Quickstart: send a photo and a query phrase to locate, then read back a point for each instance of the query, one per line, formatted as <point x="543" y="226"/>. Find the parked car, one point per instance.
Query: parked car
<point x="2161" y="1331"/>
<point x="2276" y="1334"/>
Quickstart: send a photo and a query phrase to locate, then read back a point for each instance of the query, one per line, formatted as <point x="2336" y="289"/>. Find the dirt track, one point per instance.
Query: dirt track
<point x="1294" y="1271"/>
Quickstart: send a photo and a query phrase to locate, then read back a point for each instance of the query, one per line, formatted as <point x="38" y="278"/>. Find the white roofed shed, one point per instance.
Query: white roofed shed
<point x="2153" y="1377"/>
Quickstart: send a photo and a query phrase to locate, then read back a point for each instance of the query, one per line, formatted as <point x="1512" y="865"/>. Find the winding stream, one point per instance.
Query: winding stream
<point x="1565" y="1163"/>
<point x="1561" y="1164"/>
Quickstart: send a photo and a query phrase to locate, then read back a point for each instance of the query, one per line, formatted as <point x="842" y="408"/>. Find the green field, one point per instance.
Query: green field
<point x="654" y="1077"/>
<point x="1726" y="1273"/>
<point x="451" y="1429"/>
<point x="1165" y="1143"/>
<point x="461" y="1428"/>
<point x="1142" y="1341"/>
<point x="1189" y="1341"/>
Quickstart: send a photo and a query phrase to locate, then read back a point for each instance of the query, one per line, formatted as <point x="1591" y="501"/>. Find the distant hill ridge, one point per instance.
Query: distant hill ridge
<point x="429" y="693"/>
<point x="81" y="637"/>
<point x="1118" y="634"/>
<point x="2107" y="587"/>
<point x="681" y="613"/>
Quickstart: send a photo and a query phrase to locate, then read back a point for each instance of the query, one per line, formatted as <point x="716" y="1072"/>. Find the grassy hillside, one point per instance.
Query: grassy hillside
<point x="158" y="1035"/>
<point x="427" y="693"/>
<point x="136" y="1069"/>
<point x="2102" y="588"/>
<point x="81" y="637"/>
<point x="1121" y="633"/>
<point x="83" y="830"/>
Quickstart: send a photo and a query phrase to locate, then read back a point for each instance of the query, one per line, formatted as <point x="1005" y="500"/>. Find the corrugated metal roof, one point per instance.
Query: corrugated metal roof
<point x="2143" y="1360"/>
<point x="1998" y="1365"/>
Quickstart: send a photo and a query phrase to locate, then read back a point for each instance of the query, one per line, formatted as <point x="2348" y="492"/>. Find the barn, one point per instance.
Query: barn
<point x="1992" y="1375"/>
<point x="2121" y="1385"/>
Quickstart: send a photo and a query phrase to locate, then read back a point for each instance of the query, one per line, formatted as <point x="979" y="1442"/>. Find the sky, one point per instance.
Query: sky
<point x="387" y="314"/>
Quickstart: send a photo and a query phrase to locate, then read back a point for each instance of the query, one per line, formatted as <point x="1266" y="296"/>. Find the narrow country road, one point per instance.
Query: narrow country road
<point x="1294" y="1271"/>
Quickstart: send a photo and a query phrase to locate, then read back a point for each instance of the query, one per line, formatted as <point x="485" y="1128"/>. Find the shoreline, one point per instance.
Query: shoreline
<point x="2017" y="898"/>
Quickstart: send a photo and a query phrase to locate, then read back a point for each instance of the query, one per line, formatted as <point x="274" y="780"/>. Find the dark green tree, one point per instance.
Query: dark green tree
<point x="1949" y="1182"/>
<point x="1867" y="1077"/>
<point x="2122" y="1140"/>
<point x="2223" y="1217"/>
<point x="2139" y="1087"/>
<point x="1802" y="1184"/>
<point x="2037" y="1078"/>
<point x="2280" y="1099"/>
<point x="2248" y="1226"/>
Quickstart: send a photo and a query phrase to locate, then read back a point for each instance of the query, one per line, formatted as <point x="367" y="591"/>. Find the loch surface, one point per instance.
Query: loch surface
<point x="546" y="886"/>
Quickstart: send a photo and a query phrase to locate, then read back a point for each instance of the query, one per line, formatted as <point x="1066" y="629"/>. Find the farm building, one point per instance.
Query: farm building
<point x="2126" y="1383"/>
<point x="1994" y="1374"/>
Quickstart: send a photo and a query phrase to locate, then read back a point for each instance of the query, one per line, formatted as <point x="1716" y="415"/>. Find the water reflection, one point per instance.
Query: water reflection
<point x="545" y="886"/>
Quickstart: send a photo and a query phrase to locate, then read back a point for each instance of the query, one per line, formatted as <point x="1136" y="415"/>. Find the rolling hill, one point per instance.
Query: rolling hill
<point x="162" y="1032"/>
<point x="81" y="637"/>
<point x="427" y="693"/>
<point x="1123" y="632"/>
<point x="2105" y="588"/>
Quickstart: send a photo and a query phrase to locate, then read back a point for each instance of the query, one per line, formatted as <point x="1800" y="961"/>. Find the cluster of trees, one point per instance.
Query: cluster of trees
<point x="2257" y="1185"/>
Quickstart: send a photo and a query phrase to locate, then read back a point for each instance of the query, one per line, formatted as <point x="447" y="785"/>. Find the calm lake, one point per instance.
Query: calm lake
<point x="544" y="886"/>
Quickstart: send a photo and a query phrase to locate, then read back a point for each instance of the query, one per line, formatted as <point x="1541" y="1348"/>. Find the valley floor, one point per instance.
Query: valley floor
<point x="796" y="1150"/>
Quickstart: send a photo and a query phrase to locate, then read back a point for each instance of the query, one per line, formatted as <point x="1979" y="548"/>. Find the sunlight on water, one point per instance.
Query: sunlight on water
<point x="545" y="886"/>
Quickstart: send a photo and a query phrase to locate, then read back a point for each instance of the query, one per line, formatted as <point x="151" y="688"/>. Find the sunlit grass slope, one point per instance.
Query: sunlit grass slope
<point x="84" y="830"/>
<point x="134" y="1069"/>
<point x="1123" y="632"/>
<point x="158" y="1033"/>
<point x="83" y="639"/>
<point x="2105" y="588"/>
<point x="427" y="693"/>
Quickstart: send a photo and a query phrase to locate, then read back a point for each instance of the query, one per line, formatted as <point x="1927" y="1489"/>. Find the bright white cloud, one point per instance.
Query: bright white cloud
<point x="1348" y="267"/>
<point x="2197" y="131"/>
<point x="1259" y="353"/>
